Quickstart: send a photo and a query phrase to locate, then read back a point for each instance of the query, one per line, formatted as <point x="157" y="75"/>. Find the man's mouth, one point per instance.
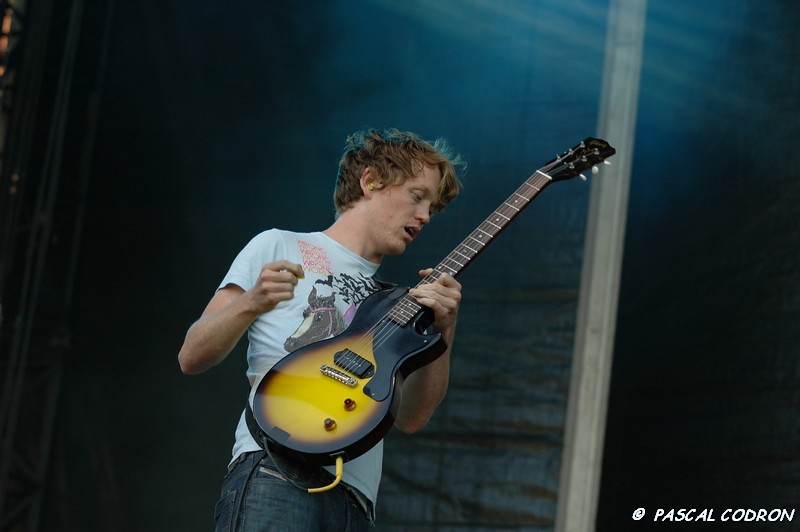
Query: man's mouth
<point x="412" y="231"/>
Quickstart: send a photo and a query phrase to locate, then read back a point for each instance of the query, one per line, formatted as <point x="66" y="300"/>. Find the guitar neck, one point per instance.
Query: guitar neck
<point x="458" y="259"/>
<point x="469" y="248"/>
<point x="585" y="155"/>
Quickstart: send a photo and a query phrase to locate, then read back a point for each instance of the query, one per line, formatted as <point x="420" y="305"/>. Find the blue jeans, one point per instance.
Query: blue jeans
<point x="257" y="498"/>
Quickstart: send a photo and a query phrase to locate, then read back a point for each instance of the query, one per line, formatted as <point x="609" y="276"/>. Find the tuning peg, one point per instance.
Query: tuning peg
<point x="583" y="177"/>
<point x="608" y="163"/>
<point x="595" y="170"/>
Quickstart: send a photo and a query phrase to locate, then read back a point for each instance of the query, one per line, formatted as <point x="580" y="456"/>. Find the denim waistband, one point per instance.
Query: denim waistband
<point x="361" y="500"/>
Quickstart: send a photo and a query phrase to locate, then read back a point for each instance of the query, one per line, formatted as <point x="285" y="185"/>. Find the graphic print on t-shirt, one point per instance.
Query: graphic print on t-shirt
<point x="315" y="258"/>
<point x="323" y="317"/>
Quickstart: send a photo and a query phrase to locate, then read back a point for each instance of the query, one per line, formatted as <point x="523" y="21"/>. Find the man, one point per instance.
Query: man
<point x="388" y="186"/>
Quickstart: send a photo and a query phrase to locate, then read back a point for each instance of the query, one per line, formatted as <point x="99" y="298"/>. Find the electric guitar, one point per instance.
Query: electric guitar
<point x="333" y="400"/>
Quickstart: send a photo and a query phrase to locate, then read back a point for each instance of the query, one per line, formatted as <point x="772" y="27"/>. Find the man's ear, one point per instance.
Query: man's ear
<point x="369" y="182"/>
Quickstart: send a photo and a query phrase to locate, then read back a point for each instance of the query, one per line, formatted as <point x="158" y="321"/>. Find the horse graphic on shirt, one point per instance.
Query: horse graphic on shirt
<point x="321" y="320"/>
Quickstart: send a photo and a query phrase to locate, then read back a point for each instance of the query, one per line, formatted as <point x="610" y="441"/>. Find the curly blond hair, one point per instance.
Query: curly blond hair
<point x="394" y="156"/>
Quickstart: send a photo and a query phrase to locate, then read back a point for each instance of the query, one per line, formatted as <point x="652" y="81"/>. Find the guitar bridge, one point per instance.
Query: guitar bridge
<point x="340" y="376"/>
<point x="353" y="363"/>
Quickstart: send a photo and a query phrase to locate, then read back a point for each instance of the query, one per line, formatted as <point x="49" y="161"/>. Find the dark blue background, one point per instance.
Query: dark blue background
<point x="220" y="119"/>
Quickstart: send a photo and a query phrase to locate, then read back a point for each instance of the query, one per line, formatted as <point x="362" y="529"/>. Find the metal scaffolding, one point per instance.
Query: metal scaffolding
<point x="42" y="204"/>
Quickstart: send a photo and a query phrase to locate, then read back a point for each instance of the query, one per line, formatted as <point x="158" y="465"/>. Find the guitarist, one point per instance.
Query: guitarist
<point x="389" y="184"/>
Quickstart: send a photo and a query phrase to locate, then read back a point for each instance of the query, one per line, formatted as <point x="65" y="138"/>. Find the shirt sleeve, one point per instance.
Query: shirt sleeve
<point x="264" y="248"/>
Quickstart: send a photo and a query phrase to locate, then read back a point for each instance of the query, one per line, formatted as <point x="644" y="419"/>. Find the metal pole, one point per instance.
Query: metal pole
<point x="581" y="463"/>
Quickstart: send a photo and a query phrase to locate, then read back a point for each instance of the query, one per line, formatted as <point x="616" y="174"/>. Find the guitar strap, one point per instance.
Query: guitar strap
<point x="252" y="426"/>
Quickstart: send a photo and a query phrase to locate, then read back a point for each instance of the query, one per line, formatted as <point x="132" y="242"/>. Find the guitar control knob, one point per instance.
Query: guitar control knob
<point x="349" y="404"/>
<point x="330" y="424"/>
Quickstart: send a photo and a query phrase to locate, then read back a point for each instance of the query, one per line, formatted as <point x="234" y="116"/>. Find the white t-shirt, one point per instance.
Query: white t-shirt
<point x="332" y="272"/>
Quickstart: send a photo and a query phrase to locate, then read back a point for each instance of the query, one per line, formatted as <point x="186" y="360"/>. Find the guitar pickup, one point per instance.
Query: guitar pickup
<point x="354" y="363"/>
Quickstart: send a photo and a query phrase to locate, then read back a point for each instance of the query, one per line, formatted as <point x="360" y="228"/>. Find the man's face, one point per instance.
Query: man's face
<point x="399" y="212"/>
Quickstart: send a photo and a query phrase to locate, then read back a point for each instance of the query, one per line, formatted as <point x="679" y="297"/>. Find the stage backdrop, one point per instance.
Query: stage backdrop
<point x="221" y="119"/>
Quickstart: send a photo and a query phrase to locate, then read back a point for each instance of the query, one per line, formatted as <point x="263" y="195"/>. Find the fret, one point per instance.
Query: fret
<point x="435" y="273"/>
<point x="454" y="259"/>
<point x="404" y="310"/>
<point x="469" y="248"/>
<point x="410" y="310"/>
<point x="463" y="255"/>
<point x="450" y="269"/>
<point x="399" y="310"/>
<point x="484" y="232"/>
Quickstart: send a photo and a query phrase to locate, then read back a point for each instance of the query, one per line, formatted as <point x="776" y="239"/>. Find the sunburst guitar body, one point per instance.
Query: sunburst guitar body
<point x="338" y="397"/>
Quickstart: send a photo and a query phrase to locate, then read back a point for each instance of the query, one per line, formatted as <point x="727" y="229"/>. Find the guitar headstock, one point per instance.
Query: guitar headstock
<point x="587" y="154"/>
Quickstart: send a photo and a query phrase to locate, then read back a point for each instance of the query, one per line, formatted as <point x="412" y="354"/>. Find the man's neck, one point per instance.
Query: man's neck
<point x="349" y="231"/>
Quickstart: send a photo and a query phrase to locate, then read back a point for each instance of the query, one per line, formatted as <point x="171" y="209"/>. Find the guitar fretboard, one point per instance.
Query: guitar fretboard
<point x="469" y="248"/>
